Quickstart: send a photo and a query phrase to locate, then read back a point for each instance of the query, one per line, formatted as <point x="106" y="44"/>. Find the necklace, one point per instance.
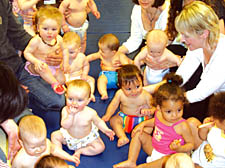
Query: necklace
<point x="151" y="16"/>
<point x="50" y="45"/>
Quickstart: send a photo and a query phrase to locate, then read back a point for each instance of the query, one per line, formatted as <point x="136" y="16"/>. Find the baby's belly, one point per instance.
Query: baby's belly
<point x="77" y="19"/>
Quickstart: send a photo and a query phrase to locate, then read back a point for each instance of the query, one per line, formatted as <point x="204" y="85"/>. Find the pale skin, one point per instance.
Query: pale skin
<point x="76" y="65"/>
<point x="24" y="159"/>
<point x="110" y="61"/>
<point x="77" y="119"/>
<point x="129" y="103"/>
<point x="78" y="10"/>
<point x="38" y="50"/>
<point x="156" y="57"/>
<point x="142" y="138"/>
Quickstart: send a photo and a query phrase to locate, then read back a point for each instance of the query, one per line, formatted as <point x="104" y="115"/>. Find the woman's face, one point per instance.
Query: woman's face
<point x="192" y="42"/>
<point x="146" y="3"/>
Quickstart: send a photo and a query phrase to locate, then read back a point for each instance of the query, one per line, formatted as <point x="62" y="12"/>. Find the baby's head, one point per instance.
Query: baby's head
<point x="77" y="94"/>
<point x="48" y="19"/>
<point x="130" y="80"/>
<point x="50" y="161"/>
<point x="72" y="42"/>
<point x="170" y="98"/>
<point x="32" y="133"/>
<point x="108" y="45"/>
<point x="157" y="41"/>
<point x="179" y="160"/>
<point x="217" y="109"/>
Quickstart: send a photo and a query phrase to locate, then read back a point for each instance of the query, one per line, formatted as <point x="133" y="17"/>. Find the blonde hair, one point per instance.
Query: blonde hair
<point x="197" y="17"/>
<point x="50" y="161"/>
<point x="71" y="37"/>
<point x="179" y="160"/>
<point x="48" y="12"/>
<point x="110" y="41"/>
<point x="157" y="36"/>
<point x="80" y="84"/>
<point x="32" y="126"/>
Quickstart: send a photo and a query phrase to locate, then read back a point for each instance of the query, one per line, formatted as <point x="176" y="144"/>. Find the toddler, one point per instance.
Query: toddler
<point x="27" y="11"/>
<point x="211" y="153"/>
<point x="157" y="57"/>
<point x="77" y="21"/>
<point x="80" y="123"/>
<point x="50" y="161"/>
<point x="130" y="97"/>
<point x="49" y="20"/>
<point x="32" y="134"/>
<point x="171" y="132"/>
<point x="75" y="63"/>
<point x="110" y="61"/>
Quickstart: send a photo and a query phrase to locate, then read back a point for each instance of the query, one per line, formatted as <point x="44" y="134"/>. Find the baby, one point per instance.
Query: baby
<point x="157" y="57"/>
<point x="80" y="123"/>
<point x="32" y="134"/>
<point x="130" y="97"/>
<point x="48" y="40"/>
<point x="110" y="61"/>
<point x="77" y="21"/>
<point x="75" y="63"/>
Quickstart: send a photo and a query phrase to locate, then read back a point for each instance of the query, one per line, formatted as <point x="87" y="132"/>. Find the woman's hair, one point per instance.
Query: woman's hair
<point x="179" y="160"/>
<point x="197" y="17"/>
<point x="128" y="74"/>
<point x="170" y="90"/>
<point x="13" y="98"/>
<point x="157" y="3"/>
<point x="175" y="8"/>
<point x="217" y="106"/>
<point x="50" y="161"/>
<point x="110" y="41"/>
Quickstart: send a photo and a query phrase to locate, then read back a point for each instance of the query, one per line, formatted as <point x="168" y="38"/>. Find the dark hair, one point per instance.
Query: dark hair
<point x="217" y="106"/>
<point x="127" y="74"/>
<point x="156" y="4"/>
<point x="13" y="98"/>
<point x="175" y="8"/>
<point x="170" y="90"/>
<point x="50" y="161"/>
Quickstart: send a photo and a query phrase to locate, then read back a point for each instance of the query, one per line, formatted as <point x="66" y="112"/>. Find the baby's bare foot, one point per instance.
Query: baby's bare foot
<point x="93" y="97"/>
<point x="122" y="141"/>
<point x="123" y="164"/>
<point x="104" y="96"/>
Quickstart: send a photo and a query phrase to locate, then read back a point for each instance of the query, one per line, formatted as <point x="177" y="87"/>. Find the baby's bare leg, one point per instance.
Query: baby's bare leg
<point x="84" y="43"/>
<point x="91" y="82"/>
<point x="194" y="123"/>
<point x="160" y="163"/>
<point x="94" y="148"/>
<point x="57" y="138"/>
<point x="145" y="78"/>
<point x="139" y="140"/>
<point x="102" y="87"/>
<point x="116" y="123"/>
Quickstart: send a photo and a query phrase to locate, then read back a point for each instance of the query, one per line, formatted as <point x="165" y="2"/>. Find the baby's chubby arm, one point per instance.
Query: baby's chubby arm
<point x="29" y="54"/>
<point x="67" y="118"/>
<point x="57" y="151"/>
<point x="27" y="4"/>
<point x="185" y="131"/>
<point x="114" y="104"/>
<point x="173" y="59"/>
<point x="93" y="7"/>
<point x="86" y="67"/>
<point x="102" y="126"/>
<point x="138" y="61"/>
<point x="62" y="8"/>
<point x="66" y="65"/>
<point x="93" y="56"/>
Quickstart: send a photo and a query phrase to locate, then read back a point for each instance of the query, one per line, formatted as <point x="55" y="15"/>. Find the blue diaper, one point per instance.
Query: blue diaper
<point x="112" y="79"/>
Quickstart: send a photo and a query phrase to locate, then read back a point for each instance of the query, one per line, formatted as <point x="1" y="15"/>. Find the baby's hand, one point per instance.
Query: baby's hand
<point x="65" y="28"/>
<point x="110" y="133"/>
<point x="66" y="68"/>
<point x="105" y="118"/>
<point x="138" y="128"/>
<point x="96" y="14"/>
<point x="76" y="160"/>
<point x="39" y="66"/>
<point x="175" y="145"/>
<point x="84" y="77"/>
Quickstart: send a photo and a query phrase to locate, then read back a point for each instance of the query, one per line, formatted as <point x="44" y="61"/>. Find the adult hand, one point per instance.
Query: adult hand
<point x="55" y="58"/>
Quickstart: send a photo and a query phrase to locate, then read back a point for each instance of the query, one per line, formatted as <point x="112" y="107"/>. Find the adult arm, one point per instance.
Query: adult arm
<point x="27" y="4"/>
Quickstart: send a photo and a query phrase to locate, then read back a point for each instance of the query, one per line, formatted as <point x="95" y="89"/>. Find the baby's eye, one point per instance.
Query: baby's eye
<point x="54" y="29"/>
<point x="168" y="111"/>
<point x="70" y="99"/>
<point x="128" y="89"/>
<point x="71" y="52"/>
<point x="179" y="110"/>
<point x="137" y="86"/>
<point x="44" y="28"/>
<point x="80" y="100"/>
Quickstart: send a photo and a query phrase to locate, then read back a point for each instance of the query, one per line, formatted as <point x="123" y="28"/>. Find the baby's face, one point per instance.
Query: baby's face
<point x="73" y="50"/>
<point x="105" y="51"/>
<point x="48" y="29"/>
<point x="77" y="99"/>
<point x="132" y="89"/>
<point x="155" y="49"/>
<point x="35" y="146"/>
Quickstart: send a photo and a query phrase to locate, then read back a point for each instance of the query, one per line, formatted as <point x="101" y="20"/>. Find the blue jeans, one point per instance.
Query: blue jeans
<point x="42" y="98"/>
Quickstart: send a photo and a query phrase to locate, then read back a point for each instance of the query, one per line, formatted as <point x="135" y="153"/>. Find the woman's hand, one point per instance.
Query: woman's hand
<point x="55" y="58"/>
